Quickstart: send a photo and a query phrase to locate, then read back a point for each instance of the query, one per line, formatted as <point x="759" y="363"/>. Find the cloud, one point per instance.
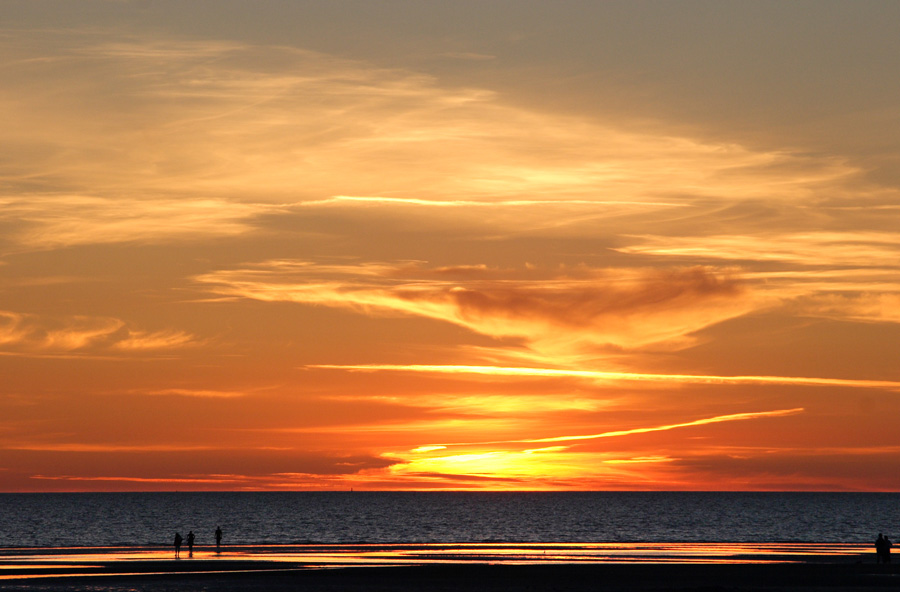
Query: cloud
<point x="639" y="460"/>
<point x="351" y="201"/>
<point x="145" y="480"/>
<point x="860" y="248"/>
<point x="665" y="428"/>
<point x="119" y="138"/>
<point x="53" y="221"/>
<point x="603" y="376"/>
<point x="555" y="466"/>
<point x="866" y="307"/>
<point x="168" y="339"/>
<point x="202" y="393"/>
<point x="29" y="333"/>
<point x="332" y="470"/>
<point x="484" y="403"/>
<point x="558" y="313"/>
<point x="841" y="275"/>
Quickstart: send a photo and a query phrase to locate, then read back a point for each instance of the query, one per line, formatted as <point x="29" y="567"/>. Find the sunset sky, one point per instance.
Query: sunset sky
<point x="479" y="244"/>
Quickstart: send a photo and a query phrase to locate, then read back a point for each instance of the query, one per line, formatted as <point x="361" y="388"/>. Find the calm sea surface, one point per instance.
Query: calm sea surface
<point x="111" y="519"/>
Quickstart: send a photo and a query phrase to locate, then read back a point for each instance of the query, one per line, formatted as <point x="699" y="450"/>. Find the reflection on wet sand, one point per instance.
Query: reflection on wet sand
<point x="18" y="563"/>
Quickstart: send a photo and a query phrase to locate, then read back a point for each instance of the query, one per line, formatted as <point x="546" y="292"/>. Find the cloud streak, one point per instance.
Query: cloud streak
<point x="552" y="466"/>
<point x="615" y="376"/>
<point x="673" y="426"/>
<point x="857" y="249"/>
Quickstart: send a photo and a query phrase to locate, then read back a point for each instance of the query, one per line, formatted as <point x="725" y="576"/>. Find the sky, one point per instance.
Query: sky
<point x="468" y="245"/>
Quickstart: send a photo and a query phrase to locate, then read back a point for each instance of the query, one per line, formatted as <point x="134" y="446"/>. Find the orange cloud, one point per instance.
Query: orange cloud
<point x="594" y="375"/>
<point x="569" y="315"/>
<point x="861" y="248"/>
<point x="55" y="221"/>
<point x="665" y="428"/>
<point x="202" y="393"/>
<point x="170" y="339"/>
<point x="232" y="120"/>
<point x="617" y="433"/>
<point x="866" y="307"/>
<point x="60" y="334"/>
<point x="28" y="333"/>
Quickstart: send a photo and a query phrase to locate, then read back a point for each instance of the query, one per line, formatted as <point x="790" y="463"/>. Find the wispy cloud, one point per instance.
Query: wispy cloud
<point x="554" y="466"/>
<point x="221" y="123"/>
<point x="61" y="334"/>
<point x="29" y="333"/>
<point x="843" y="275"/>
<point x="201" y="393"/>
<point x="104" y="448"/>
<point x="864" y="307"/>
<point x="558" y="313"/>
<point x="568" y="267"/>
<point x="350" y="200"/>
<point x="673" y="426"/>
<point x="145" y="480"/>
<point x="54" y="221"/>
<point x="859" y="249"/>
<point x="616" y="433"/>
<point x="169" y="339"/>
<point x="617" y="376"/>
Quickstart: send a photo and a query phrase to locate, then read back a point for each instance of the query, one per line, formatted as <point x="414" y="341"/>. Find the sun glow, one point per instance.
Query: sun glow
<point x="518" y="466"/>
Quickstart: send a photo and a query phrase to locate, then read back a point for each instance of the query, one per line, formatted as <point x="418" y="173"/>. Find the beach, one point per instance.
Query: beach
<point x="488" y="578"/>
<point x="477" y="568"/>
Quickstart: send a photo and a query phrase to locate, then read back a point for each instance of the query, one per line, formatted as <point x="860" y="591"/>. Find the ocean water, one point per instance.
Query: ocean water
<point x="256" y="518"/>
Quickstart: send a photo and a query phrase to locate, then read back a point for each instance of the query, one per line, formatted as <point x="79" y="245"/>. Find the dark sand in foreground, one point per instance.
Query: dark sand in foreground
<point x="570" y="567"/>
<point x="262" y="576"/>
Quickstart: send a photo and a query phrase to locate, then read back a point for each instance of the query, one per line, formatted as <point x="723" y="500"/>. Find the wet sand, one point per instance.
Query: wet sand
<point x="471" y="568"/>
<point x="493" y="578"/>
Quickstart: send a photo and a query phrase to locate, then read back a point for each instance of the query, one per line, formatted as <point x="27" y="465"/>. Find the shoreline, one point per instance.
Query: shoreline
<point x="486" y="567"/>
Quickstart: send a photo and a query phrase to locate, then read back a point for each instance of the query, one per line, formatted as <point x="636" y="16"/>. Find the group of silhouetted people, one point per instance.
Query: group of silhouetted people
<point x="883" y="549"/>
<point x="190" y="542"/>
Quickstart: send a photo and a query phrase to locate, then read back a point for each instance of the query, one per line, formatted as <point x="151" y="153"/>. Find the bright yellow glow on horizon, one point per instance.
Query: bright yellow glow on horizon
<point x="516" y="464"/>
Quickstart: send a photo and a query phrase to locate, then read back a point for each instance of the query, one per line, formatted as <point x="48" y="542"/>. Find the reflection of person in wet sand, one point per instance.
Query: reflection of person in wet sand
<point x="218" y="539"/>
<point x="190" y="542"/>
<point x="177" y="545"/>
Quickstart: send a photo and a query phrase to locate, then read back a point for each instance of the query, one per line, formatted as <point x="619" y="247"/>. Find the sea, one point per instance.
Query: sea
<point x="305" y="518"/>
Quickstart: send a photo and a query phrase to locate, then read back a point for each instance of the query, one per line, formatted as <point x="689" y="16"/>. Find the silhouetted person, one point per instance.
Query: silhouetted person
<point x="190" y="542"/>
<point x="887" y="549"/>
<point x="218" y="538"/>
<point x="879" y="548"/>
<point x="177" y="545"/>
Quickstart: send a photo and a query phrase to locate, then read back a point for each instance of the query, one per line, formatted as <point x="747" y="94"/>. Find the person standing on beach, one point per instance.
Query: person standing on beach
<point x="190" y="541"/>
<point x="887" y="550"/>
<point x="218" y="538"/>
<point x="177" y="544"/>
